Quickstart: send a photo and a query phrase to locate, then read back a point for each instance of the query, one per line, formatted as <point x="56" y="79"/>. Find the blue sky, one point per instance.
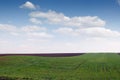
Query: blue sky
<point x="59" y="26"/>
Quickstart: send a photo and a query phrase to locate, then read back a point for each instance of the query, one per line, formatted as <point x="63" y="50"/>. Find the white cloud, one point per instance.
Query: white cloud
<point x="3" y="42"/>
<point x="86" y="21"/>
<point x="89" y="32"/>
<point x="7" y="27"/>
<point x="34" y="31"/>
<point x="66" y="31"/>
<point x="99" y="32"/>
<point x="33" y="28"/>
<point x="57" y="47"/>
<point x="39" y="35"/>
<point x="35" y="21"/>
<point x="29" y="31"/>
<point x="6" y="45"/>
<point x="86" y="34"/>
<point x="89" y="45"/>
<point x="28" y="5"/>
<point x="60" y="19"/>
<point x="15" y="33"/>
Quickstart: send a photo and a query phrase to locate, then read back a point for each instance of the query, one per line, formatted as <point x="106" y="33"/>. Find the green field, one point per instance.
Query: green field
<point x="83" y="67"/>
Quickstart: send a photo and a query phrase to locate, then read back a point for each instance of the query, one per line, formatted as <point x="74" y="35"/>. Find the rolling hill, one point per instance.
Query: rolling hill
<point x="82" y="67"/>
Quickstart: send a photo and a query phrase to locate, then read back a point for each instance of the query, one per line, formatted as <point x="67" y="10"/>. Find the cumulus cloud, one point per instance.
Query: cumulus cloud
<point x="33" y="28"/>
<point x="7" y="27"/>
<point x="34" y="31"/>
<point x="99" y="32"/>
<point x="28" y="5"/>
<point x="39" y="34"/>
<point x="60" y="19"/>
<point x="14" y="33"/>
<point x="35" y="21"/>
<point x="66" y="31"/>
<point x="27" y="31"/>
<point x="89" y="26"/>
<point x="27" y="28"/>
<point x="83" y="32"/>
<point x="89" y="32"/>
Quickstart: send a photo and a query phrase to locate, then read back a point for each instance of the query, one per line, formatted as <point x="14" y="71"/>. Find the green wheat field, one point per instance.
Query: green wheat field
<point x="89" y="66"/>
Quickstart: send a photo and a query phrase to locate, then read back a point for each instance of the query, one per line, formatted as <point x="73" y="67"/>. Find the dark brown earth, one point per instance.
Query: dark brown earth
<point x="45" y="54"/>
<point x="11" y="78"/>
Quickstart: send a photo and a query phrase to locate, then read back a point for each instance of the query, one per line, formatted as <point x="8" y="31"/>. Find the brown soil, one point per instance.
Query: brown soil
<point x="47" y="54"/>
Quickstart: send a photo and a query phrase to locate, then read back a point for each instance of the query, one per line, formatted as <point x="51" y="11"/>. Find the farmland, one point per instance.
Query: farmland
<point x="90" y="66"/>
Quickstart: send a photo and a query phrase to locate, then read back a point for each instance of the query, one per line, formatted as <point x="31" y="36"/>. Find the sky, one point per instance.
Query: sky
<point x="59" y="26"/>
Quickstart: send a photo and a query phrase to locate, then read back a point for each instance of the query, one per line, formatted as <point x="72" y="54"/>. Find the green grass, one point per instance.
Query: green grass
<point x="84" y="67"/>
